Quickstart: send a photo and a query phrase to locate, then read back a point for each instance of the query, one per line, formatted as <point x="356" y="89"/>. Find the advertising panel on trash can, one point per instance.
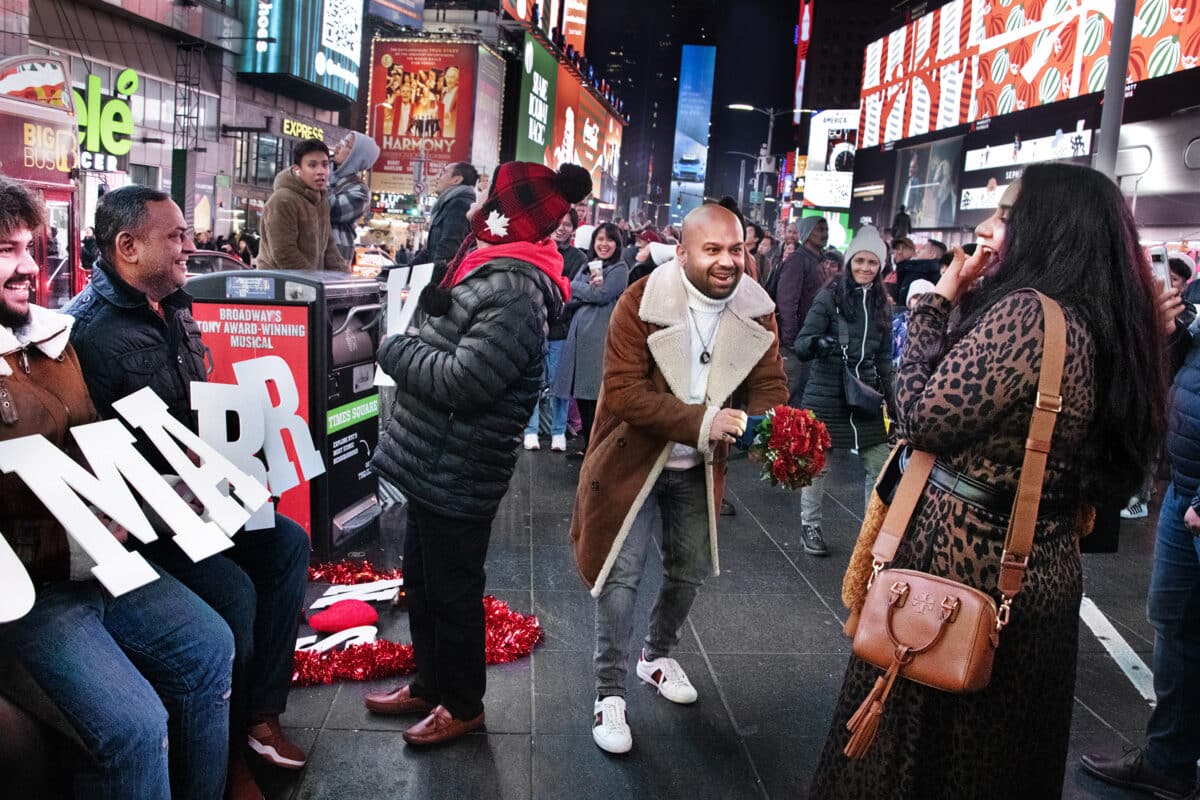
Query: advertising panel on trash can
<point x="238" y="332"/>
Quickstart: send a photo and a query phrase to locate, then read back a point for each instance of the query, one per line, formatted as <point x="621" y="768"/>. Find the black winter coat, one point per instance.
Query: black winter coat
<point x="465" y="387"/>
<point x="869" y="355"/>
<point x="124" y="346"/>
<point x="574" y="260"/>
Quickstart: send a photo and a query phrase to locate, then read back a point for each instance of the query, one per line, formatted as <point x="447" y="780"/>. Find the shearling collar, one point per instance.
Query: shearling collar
<point x="739" y="344"/>
<point x="48" y="331"/>
<point x="665" y="300"/>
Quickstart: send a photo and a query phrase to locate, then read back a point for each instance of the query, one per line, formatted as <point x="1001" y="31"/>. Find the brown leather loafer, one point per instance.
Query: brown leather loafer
<point x="397" y="701"/>
<point x="439" y="727"/>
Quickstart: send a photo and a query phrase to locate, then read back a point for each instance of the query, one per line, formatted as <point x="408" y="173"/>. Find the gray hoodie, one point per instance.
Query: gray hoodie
<point x="349" y="197"/>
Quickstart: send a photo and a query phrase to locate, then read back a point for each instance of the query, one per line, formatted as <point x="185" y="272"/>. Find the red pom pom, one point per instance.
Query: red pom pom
<point x="342" y="615"/>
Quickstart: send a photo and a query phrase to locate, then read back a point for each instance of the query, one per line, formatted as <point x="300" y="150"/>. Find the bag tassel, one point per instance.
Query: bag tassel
<point x="864" y="724"/>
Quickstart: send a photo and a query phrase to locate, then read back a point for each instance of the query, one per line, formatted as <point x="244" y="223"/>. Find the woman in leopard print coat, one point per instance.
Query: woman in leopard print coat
<point x="967" y="396"/>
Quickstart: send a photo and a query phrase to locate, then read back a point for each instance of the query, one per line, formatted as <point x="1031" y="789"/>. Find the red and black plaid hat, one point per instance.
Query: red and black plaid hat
<point x="527" y="200"/>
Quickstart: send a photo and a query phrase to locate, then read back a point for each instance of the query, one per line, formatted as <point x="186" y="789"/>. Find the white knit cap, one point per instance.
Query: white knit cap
<point x="867" y="239"/>
<point x="919" y="286"/>
<point x="661" y="253"/>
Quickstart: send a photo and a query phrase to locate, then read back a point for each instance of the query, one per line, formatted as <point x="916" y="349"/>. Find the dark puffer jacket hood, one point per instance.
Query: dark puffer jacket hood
<point x="465" y="387"/>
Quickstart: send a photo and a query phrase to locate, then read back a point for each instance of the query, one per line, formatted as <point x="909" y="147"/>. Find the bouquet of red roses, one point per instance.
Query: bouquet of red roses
<point x="791" y="444"/>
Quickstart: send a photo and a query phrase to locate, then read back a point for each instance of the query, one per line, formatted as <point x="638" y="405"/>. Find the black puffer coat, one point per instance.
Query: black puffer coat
<point x="574" y="260"/>
<point x="465" y="387"/>
<point x="870" y="357"/>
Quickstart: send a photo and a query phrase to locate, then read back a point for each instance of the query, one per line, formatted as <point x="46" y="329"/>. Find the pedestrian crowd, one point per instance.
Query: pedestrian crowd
<point x="648" y="355"/>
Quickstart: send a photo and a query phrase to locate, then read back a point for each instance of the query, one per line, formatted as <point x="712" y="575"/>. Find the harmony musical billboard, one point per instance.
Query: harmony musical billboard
<point x="421" y="107"/>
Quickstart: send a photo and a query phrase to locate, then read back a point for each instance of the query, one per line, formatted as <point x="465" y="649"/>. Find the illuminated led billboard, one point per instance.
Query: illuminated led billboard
<point x="318" y="42"/>
<point x="974" y="59"/>
<point x="689" y="165"/>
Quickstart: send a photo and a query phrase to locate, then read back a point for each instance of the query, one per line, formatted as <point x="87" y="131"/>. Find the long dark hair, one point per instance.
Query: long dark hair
<point x="1071" y="236"/>
<point x="879" y="302"/>
<point x="612" y="232"/>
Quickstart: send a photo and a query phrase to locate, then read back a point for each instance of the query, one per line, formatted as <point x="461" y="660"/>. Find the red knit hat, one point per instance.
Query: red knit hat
<point x="527" y="200"/>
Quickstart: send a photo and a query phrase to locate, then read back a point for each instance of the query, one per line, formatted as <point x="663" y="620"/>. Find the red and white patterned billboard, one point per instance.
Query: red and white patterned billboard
<point x="974" y="59"/>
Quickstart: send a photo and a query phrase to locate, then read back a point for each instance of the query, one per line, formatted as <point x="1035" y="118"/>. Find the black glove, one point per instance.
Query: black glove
<point x="824" y="346"/>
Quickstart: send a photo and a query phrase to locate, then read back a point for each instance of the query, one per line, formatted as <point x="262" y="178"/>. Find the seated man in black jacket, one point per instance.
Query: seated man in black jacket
<point x="133" y="329"/>
<point x="467" y="382"/>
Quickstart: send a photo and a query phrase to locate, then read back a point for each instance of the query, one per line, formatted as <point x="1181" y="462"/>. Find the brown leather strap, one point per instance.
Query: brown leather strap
<point x="1019" y="540"/>
<point x="908" y="492"/>
<point x="1048" y="403"/>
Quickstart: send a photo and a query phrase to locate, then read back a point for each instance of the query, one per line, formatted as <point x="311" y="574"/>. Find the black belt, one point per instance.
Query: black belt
<point x="994" y="501"/>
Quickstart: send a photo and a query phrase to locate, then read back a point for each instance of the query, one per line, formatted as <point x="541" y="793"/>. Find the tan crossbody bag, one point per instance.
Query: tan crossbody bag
<point x="937" y="631"/>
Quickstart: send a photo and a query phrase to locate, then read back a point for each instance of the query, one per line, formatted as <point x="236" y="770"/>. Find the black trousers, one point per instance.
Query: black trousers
<point x="587" y="415"/>
<point x="444" y="581"/>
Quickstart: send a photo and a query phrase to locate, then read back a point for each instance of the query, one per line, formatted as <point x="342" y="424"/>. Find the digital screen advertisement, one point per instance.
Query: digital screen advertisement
<point x="539" y="81"/>
<point x="489" y="97"/>
<point x="410" y="13"/>
<point x="421" y="108"/>
<point x="693" y="111"/>
<point x="560" y="122"/>
<point x="829" y="176"/>
<point x="316" y="41"/>
<point x="975" y="59"/>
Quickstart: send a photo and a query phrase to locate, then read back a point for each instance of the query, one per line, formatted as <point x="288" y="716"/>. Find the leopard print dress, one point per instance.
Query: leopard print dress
<point x="970" y="404"/>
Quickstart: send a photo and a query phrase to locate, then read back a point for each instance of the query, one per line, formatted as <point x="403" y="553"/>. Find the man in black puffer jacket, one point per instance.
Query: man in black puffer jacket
<point x="466" y="384"/>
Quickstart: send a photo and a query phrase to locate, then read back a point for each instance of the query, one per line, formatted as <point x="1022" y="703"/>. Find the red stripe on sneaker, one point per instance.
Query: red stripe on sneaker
<point x="657" y="676"/>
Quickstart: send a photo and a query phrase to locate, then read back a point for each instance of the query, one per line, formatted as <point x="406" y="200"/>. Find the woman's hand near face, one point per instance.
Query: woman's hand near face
<point x="962" y="272"/>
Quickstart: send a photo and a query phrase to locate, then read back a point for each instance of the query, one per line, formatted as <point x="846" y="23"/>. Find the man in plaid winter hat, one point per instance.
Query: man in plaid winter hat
<point x="467" y="382"/>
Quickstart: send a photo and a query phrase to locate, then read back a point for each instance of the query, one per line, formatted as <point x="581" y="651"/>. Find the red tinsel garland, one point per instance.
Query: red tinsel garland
<point x="350" y="573"/>
<point x="510" y="635"/>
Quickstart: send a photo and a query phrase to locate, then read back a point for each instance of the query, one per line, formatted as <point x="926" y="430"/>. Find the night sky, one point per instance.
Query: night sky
<point x="755" y="62"/>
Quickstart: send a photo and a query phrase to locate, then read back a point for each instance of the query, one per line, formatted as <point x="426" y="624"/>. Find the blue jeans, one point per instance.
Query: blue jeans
<point x="682" y="499"/>
<point x="258" y="589"/>
<point x="126" y="670"/>
<point x="558" y="422"/>
<point x="1173" y="733"/>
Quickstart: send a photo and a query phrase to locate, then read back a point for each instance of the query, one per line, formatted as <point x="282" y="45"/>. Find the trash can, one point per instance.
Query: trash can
<point x="325" y="325"/>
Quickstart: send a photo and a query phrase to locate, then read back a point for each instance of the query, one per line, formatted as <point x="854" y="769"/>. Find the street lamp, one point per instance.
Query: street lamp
<point x="771" y="113"/>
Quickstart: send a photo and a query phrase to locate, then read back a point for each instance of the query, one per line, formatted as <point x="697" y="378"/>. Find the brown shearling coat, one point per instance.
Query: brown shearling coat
<point x="41" y="392"/>
<point x="640" y="414"/>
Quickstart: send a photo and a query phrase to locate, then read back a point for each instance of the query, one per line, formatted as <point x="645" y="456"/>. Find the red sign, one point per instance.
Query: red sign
<point x="803" y="37"/>
<point x="590" y="123"/>
<point x="518" y="9"/>
<point x="566" y="120"/>
<point x="574" y="24"/>
<point x="235" y="333"/>
<point x="421" y="106"/>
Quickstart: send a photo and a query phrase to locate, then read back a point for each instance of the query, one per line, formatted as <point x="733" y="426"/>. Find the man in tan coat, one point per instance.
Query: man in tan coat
<point x="687" y="350"/>
<point x="296" y="229"/>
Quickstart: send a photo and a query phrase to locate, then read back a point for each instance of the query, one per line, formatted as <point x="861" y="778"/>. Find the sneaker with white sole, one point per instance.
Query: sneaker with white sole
<point x="1135" y="510"/>
<point x="272" y="745"/>
<point x="531" y="442"/>
<point x="610" y="731"/>
<point x="668" y="677"/>
<point x="559" y="443"/>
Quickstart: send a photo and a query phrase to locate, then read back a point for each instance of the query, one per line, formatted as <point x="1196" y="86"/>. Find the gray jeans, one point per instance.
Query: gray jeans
<point x="813" y="496"/>
<point x="681" y="497"/>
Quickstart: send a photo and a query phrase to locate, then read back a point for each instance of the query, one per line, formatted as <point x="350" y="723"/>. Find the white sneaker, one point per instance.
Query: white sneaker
<point x="1135" y="510"/>
<point x="531" y="442"/>
<point x="670" y="679"/>
<point x="610" y="731"/>
<point x="559" y="443"/>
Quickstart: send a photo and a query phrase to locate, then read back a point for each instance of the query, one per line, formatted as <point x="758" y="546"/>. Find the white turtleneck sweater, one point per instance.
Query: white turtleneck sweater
<point x="703" y="319"/>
